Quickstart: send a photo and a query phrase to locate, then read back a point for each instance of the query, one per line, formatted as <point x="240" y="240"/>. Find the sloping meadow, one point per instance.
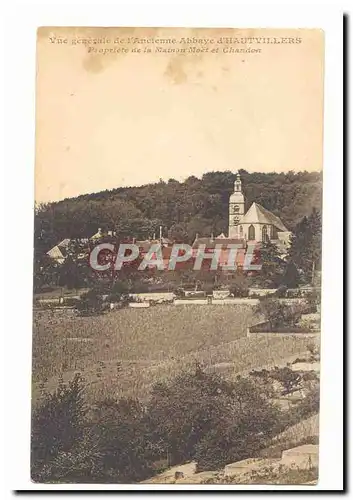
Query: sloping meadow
<point x="125" y="352"/>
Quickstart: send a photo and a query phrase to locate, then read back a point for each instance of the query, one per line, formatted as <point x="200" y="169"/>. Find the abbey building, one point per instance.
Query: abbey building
<point x="257" y="224"/>
<point x="254" y="226"/>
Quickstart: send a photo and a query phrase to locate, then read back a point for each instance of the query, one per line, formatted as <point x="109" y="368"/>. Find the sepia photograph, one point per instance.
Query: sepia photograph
<point x="177" y="256"/>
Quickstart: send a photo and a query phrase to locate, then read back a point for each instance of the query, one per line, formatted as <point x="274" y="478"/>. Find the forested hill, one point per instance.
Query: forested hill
<point x="182" y="208"/>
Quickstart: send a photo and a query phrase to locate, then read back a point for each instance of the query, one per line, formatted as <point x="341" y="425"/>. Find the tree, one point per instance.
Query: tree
<point x="91" y="303"/>
<point x="105" y="444"/>
<point x="291" y="277"/>
<point x="239" y="286"/>
<point x="247" y="424"/>
<point x="277" y="313"/>
<point x="119" y="291"/>
<point x="57" y="425"/>
<point x="178" y="233"/>
<point x="75" y="271"/>
<point x="305" y="248"/>
<point x="271" y="271"/>
<point x="289" y="379"/>
<point x="199" y="414"/>
<point x="120" y="430"/>
<point x="46" y="273"/>
<point x="316" y="230"/>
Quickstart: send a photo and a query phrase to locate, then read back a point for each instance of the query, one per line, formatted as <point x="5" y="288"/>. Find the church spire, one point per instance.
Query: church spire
<point x="236" y="208"/>
<point x="237" y="183"/>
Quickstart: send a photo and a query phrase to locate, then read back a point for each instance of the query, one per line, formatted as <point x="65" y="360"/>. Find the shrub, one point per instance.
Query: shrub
<point x="195" y="416"/>
<point x="57" y="425"/>
<point x="71" y="301"/>
<point x="119" y="292"/>
<point x="310" y="404"/>
<point x="313" y="299"/>
<point x="90" y="303"/>
<point x="179" y="292"/>
<point x="238" y="291"/>
<point x="71" y="444"/>
<point x="239" y="286"/>
<point x="314" y="352"/>
<point x="290" y="380"/>
<point x="203" y="417"/>
<point x="281" y="292"/>
<point x="120" y="430"/>
<point x="277" y="313"/>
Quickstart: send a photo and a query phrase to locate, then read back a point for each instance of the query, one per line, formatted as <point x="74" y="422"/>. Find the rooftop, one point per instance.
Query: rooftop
<point x="258" y="214"/>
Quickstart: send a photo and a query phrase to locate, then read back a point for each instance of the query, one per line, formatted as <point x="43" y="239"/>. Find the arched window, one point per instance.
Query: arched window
<point x="264" y="234"/>
<point x="251" y="232"/>
<point x="273" y="233"/>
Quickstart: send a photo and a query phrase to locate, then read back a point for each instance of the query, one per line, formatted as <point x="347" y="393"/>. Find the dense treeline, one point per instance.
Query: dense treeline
<point x="182" y="208"/>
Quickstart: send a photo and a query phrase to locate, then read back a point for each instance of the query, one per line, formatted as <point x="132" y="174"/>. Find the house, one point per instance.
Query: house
<point x="59" y="251"/>
<point x="100" y="234"/>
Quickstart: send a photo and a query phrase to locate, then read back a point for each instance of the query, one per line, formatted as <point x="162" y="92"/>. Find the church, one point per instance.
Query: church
<point x="257" y="225"/>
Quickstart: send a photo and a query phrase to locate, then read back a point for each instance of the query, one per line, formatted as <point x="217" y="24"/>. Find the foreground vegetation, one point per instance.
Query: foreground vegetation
<point x="195" y="416"/>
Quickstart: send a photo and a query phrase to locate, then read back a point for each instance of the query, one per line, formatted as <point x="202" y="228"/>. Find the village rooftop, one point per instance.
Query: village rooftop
<point x="106" y="256"/>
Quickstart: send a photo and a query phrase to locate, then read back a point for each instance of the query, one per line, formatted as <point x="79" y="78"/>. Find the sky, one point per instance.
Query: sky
<point x="110" y="120"/>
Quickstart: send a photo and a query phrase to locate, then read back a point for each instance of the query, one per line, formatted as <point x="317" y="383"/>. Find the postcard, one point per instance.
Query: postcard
<point x="177" y="256"/>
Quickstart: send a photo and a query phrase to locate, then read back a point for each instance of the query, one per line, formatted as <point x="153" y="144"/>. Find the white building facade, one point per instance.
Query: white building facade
<point x="258" y="224"/>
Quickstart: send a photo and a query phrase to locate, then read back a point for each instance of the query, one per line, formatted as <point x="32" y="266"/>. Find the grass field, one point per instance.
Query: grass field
<point x="124" y="352"/>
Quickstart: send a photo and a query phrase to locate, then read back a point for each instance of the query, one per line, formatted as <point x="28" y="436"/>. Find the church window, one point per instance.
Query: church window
<point x="251" y="232"/>
<point x="236" y="220"/>
<point x="273" y="233"/>
<point x="264" y="234"/>
<point x="236" y="209"/>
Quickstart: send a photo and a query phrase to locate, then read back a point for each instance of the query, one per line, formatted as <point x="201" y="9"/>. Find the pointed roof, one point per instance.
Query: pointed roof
<point x="64" y="243"/>
<point x="56" y="253"/>
<point x="258" y="214"/>
<point x="96" y="236"/>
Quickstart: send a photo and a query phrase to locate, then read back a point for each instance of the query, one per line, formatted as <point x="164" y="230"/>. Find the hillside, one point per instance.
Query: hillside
<point x="118" y="352"/>
<point x="182" y="208"/>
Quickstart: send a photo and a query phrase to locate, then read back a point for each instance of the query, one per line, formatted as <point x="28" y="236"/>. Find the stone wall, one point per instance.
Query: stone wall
<point x="145" y="297"/>
<point x="190" y="302"/>
<point x="234" y="301"/>
<point x="139" y="304"/>
<point x="301" y="457"/>
<point x="272" y="335"/>
<point x="261" y="291"/>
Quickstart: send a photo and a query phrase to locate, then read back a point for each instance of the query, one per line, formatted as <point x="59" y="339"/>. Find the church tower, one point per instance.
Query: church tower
<point x="236" y="209"/>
